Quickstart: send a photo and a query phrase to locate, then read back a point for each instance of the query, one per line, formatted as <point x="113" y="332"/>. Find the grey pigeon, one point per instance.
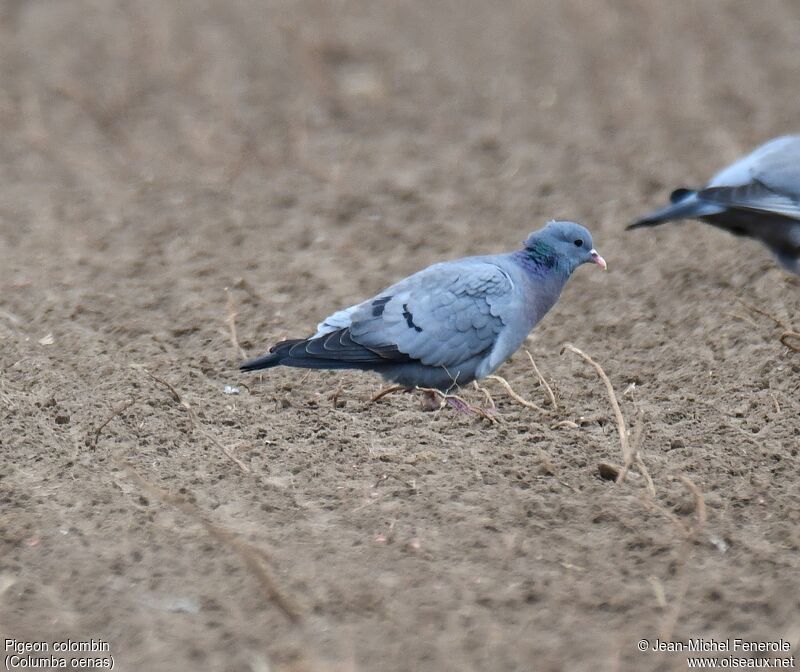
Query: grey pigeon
<point x="758" y="196"/>
<point x="450" y="323"/>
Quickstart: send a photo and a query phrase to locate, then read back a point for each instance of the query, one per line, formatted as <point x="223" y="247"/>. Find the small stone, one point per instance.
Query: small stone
<point x="608" y="471"/>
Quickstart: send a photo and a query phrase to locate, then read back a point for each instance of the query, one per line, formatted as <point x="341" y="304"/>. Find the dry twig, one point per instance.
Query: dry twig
<point x="566" y="423"/>
<point x="658" y="591"/>
<point x="383" y="392"/>
<point x="196" y="422"/>
<point x="690" y="534"/>
<point x="543" y="381"/>
<point x="638" y="433"/>
<point x="515" y="396"/>
<point x="627" y="455"/>
<point x="651" y="487"/>
<point x="671" y="619"/>
<point x="764" y="313"/>
<point x="114" y="413"/>
<point x="743" y="318"/>
<point x="791" y="335"/>
<point x="486" y="394"/>
<point x="254" y="558"/>
<point x="700" y="513"/>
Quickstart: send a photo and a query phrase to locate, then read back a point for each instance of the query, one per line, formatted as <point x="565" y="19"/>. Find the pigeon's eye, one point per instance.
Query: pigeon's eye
<point x="578" y="243"/>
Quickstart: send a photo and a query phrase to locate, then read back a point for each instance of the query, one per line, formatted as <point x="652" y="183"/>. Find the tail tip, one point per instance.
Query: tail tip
<point x="680" y="206"/>
<point x="640" y="223"/>
<point x="263" y="362"/>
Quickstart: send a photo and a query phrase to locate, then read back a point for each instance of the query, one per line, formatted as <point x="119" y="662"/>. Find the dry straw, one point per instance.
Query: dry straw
<point x="629" y="455"/>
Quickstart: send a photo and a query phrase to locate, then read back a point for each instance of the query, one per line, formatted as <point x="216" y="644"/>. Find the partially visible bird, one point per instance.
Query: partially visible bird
<point x="451" y="323"/>
<point x="758" y="196"/>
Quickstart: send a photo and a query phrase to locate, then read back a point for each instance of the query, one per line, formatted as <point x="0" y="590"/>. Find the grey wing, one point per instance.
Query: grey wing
<point x="755" y="196"/>
<point x="339" y="320"/>
<point x="768" y="180"/>
<point x="442" y="316"/>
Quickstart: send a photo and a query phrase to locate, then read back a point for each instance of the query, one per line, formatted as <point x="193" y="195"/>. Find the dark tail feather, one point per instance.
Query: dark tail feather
<point x="336" y="350"/>
<point x="277" y="355"/>
<point x="685" y="205"/>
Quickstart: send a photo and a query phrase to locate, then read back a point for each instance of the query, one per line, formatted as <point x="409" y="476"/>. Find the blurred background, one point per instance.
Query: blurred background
<point x="169" y="169"/>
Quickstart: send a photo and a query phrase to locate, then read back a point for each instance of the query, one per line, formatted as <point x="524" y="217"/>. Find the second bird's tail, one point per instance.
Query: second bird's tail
<point x="686" y="204"/>
<point x="274" y="357"/>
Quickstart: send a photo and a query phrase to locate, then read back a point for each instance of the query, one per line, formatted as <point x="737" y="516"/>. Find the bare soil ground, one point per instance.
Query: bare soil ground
<point x="164" y="165"/>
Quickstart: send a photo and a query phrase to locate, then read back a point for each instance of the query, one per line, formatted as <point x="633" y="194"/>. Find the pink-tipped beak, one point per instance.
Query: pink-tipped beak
<point x="597" y="259"/>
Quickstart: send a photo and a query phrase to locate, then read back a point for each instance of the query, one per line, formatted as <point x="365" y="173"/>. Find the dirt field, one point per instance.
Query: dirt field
<point x="304" y="155"/>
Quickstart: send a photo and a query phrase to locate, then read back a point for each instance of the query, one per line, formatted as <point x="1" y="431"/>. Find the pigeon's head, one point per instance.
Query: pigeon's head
<point x="568" y="243"/>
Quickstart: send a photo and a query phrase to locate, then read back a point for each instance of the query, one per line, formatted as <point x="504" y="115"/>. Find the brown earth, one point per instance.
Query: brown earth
<point x="304" y="155"/>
